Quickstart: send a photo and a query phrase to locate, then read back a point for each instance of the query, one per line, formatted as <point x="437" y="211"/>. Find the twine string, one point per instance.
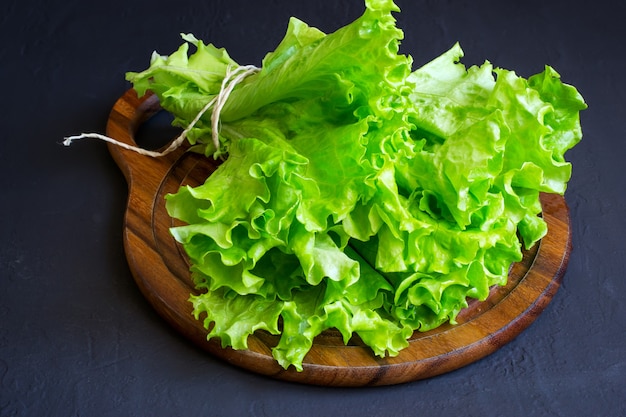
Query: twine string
<point x="230" y="81"/>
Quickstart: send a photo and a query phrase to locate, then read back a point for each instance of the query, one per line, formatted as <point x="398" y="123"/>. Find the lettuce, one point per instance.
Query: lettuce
<point x="357" y="193"/>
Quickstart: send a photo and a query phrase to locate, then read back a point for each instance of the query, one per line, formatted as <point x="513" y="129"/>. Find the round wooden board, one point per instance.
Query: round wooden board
<point x="161" y="271"/>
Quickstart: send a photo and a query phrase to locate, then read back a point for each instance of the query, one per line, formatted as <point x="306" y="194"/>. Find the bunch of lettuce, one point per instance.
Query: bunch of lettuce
<point x="358" y="193"/>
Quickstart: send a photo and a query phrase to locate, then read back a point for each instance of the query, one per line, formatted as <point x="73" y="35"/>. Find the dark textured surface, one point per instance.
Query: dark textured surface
<point x="78" y="339"/>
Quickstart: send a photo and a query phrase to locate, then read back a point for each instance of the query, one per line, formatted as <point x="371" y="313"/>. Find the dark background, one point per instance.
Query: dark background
<point x="78" y="339"/>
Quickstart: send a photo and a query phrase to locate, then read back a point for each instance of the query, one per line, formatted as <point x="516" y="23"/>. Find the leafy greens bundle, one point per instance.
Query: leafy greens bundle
<point x="357" y="193"/>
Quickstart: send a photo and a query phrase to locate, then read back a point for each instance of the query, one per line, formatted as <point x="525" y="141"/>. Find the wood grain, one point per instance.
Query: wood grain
<point x="161" y="271"/>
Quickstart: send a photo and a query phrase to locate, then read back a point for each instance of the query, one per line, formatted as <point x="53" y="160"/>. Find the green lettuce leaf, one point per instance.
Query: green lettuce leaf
<point x="357" y="193"/>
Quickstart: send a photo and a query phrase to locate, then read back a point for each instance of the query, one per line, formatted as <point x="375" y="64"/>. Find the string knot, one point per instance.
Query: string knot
<point x="232" y="77"/>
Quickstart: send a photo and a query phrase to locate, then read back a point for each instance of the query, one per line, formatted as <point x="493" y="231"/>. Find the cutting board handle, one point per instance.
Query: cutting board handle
<point x="127" y="115"/>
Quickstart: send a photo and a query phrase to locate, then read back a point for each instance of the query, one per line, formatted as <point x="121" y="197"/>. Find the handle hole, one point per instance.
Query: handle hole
<point x="157" y="131"/>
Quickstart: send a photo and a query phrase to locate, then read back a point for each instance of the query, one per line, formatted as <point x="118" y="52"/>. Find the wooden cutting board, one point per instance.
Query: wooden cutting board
<point x="161" y="270"/>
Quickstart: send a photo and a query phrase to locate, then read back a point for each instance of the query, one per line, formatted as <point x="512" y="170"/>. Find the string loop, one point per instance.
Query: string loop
<point x="233" y="77"/>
